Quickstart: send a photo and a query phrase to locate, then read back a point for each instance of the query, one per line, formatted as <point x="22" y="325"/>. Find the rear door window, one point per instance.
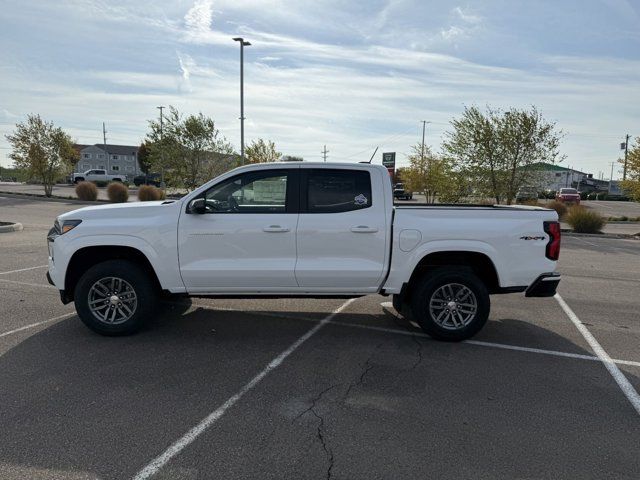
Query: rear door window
<point x="337" y="190"/>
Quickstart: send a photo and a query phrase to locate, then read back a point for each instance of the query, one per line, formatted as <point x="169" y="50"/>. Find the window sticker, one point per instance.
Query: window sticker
<point x="360" y="200"/>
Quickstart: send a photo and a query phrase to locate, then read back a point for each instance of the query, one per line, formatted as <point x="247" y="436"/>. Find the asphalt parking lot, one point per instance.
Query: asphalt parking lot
<point x="320" y="388"/>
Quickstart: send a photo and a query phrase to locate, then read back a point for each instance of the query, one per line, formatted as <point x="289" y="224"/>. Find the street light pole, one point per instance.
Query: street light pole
<point x="161" y="149"/>
<point x="626" y="150"/>
<point x="243" y="44"/>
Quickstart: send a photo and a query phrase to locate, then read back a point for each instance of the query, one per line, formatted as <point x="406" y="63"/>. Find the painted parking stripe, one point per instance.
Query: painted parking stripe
<point x="37" y="324"/>
<point x="23" y="269"/>
<point x="504" y="346"/>
<point x="155" y="465"/>
<point x="28" y="284"/>
<point x="608" y="362"/>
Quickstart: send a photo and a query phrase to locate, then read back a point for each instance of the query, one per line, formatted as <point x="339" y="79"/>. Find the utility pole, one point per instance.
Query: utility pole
<point x="626" y="151"/>
<point x="611" y="177"/>
<point x="324" y="153"/>
<point x="161" y="148"/>
<point x="104" y="143"/>
<point x="243" y="44"/>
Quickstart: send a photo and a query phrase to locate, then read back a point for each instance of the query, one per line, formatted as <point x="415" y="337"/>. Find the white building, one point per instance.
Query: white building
<point x="117" y="159"/>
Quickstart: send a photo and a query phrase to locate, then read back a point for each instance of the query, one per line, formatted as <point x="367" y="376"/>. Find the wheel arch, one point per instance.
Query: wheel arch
<point x="86" y="257"/>
<point x="480" y="263"/>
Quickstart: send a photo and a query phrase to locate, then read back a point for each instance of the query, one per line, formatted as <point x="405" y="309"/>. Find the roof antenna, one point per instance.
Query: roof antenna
<point x="374" y="154"/>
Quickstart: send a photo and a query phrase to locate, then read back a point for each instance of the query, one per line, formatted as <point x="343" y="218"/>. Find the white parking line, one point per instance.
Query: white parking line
<point x="37" y="324"/>
<point x="618" y="376"/>
<point x="23" y="269"/>
<point x="42" y="285"/>
<point x="184" y="441"/>
<point x="397" y="331"/>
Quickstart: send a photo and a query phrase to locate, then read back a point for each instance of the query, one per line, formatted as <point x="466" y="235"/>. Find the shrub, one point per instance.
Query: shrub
<point x="531" y="202"/>
<point x="87" y="191"/>
<point x="148" y="193"/>
<point x="117" y="192"/>
<point x="584" y="221"/>
<point x="560" y="208"/>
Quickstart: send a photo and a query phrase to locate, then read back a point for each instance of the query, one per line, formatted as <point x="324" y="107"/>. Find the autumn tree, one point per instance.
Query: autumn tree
<point x="500" y="149"/>
<point x="631" y="186"/>
<point x="187" y="150"/>
<point x="45" y="151"/>
<point x="432" y="175"/>
<point x="260" y="151"/>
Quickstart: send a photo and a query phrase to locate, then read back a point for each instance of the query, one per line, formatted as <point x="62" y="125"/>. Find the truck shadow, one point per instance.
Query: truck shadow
<point x="74" y="403"/>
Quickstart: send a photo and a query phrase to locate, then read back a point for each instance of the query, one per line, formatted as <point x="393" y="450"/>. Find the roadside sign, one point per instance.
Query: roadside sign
<point x="389" y="159"/>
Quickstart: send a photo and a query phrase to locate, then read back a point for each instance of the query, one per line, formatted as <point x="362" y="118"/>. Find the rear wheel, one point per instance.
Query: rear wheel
<point x="115" y="297"/>
<point x="450" y="303"/>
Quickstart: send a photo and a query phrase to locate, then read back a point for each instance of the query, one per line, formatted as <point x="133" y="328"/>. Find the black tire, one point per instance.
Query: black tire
<point x="432" y="286"/>
<point x="396" y="301"/>
<point x="145" y="291"/>
<point x="78" y="180"/>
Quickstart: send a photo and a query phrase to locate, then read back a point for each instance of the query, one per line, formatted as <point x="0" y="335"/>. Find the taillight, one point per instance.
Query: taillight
<point x="553" y="246"/>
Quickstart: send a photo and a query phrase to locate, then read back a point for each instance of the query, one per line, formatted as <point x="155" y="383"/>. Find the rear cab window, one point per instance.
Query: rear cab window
<point x="335" y="190"/>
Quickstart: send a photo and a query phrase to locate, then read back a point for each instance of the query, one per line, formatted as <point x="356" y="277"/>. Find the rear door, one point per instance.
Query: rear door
<point x="246" y="240"/>
<point x="341" y="236"/>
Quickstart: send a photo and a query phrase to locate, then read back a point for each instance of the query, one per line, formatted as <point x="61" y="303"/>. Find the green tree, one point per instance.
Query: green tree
<point x="432" y="175"/>
<point x="500" y="149"/>
<point x="189" y="149"/>
<point x="292" y="158"/>
<point x="631" y="186"/>
<point x="260" y="151"/>
<point x="45" y="151"/>
<point x="144" y="160"/>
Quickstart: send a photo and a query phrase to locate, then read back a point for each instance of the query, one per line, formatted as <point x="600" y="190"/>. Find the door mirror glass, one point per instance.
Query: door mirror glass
<point x="198" y="205"/>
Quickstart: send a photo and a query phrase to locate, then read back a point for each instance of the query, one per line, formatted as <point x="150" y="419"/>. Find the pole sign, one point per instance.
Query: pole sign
<point x="389" y="161"/>
<point x="623" y="145"/>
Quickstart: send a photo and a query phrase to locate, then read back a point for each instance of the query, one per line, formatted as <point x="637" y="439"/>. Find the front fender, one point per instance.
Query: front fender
<point x="164" y="263"/>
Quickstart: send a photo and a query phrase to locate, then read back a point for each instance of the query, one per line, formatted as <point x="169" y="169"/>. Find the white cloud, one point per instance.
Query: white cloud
<point x="466" y="16"/>
<point x="199" y="17"/>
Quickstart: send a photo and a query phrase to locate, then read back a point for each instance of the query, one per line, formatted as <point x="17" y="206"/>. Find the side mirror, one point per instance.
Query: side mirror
<point x="198" y="205"/>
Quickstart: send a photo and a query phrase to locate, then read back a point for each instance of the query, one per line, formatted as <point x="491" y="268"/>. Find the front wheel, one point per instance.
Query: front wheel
<point x="450" y="303"/>
<point x="115" y="297"/>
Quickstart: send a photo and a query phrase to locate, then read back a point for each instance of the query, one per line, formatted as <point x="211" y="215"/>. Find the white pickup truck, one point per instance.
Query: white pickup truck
<point x="305" y="230"/>
<point x="96" y="175"/>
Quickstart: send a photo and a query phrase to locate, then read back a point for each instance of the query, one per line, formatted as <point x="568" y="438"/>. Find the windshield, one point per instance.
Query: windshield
<point x="568" y="190"/>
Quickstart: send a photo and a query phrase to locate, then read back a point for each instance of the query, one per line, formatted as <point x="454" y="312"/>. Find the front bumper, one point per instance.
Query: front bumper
<point x="544" y="286"/>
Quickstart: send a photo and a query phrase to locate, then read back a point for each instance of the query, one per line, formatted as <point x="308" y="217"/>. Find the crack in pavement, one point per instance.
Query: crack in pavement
<point x="320" y="428"/>
<point x="367" y="368"/>
<point x="418" y="351"/>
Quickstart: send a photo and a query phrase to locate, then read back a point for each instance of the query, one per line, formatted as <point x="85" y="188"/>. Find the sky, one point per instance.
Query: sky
<point x="351" y="75"/>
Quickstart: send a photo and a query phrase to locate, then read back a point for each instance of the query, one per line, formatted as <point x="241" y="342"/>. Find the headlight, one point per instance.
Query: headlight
<point x="60" y="228"/>
<point x="69" y="225"/>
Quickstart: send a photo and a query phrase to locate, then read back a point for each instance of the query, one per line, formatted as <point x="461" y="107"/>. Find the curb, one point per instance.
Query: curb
<point x="571" y="233"/>
<point x="37" y="196"/>
<point x="12" y="227"/>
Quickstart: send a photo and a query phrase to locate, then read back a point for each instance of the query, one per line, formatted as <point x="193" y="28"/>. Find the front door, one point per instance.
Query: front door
<point x="246" y="239"/>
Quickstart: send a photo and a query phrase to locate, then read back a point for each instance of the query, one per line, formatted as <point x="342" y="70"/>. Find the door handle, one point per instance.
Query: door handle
<point x="364" y="229"/>
<point x="275" y="229"/>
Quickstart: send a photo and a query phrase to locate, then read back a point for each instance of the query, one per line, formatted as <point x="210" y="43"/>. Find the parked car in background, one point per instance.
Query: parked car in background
<point x="302" y="229"/>
<point x="148" y="179"/>
<point x="97" y="175"/>
<point x="400" y="193"/>
<point x="527" y="193"/>
<point x="568" y="195"/>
